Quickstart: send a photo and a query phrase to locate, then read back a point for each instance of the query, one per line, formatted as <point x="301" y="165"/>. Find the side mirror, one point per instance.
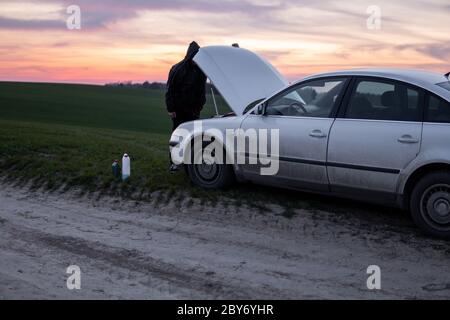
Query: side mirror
<point x="261" y="109"/>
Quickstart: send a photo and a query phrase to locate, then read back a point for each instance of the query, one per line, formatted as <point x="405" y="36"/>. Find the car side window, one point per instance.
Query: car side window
<point x="384" y="100"/>
<point x="438" y="110"/>
<point x="312" y="99"/>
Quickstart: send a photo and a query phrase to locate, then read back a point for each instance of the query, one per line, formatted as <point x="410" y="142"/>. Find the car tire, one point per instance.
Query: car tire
<point x="430" y="204"/>
<point x="211" y="176"/>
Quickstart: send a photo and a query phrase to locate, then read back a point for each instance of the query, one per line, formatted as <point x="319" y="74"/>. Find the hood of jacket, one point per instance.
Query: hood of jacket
<point x="192" y="50"/>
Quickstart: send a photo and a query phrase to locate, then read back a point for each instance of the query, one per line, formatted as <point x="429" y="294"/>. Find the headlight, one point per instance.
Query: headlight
<point x="175" y="140"/>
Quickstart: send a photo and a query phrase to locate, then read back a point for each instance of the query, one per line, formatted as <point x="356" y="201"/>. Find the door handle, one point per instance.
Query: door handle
<point x="407" y="139"/>
<point x="317" y="134"/>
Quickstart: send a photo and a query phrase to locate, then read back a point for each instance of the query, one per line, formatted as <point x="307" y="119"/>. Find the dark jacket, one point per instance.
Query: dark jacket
<point x="186" y="85"/>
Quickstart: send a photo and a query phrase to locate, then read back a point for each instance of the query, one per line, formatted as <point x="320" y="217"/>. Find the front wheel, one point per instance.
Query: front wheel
<point x="430" y="204"/>
<point x="210" y="175"/>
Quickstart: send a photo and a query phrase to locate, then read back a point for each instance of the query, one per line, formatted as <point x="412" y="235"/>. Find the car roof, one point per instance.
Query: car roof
<point x="424" y="79"/>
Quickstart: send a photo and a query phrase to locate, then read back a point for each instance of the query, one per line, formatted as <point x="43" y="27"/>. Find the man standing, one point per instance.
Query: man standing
<point x="185" y="95"/>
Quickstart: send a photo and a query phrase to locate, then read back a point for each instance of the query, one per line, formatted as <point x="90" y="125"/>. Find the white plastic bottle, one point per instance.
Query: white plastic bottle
<point x="126" y="167"/>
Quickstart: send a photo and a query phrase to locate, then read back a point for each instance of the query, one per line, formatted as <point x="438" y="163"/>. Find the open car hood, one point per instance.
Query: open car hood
<point x="241" y="76"/>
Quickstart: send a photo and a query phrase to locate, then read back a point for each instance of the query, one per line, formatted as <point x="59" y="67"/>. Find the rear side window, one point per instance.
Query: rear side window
<point x="438" y="110"/>
<point x="384" y="100"/>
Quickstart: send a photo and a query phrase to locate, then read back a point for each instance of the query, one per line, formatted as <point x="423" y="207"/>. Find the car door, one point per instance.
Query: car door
<point x="302" y="115"/>
<point x="375" y="136"/>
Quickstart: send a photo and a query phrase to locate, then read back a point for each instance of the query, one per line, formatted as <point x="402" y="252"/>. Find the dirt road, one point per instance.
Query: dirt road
<point x="188" y="250"/>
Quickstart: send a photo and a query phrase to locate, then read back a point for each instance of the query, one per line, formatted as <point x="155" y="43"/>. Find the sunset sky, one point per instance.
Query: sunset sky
<point x="139" y="40"/>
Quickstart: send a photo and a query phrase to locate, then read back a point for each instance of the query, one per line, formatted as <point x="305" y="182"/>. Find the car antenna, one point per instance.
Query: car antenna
<point x="214" y="98"/>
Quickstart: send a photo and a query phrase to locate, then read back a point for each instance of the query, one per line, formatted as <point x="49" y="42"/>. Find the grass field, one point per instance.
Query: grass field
<point x="57" y="134"/>
<point x="132" y="109"/>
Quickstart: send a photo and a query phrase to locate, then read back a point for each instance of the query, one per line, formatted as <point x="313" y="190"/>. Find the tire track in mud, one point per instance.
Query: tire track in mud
<point x="204" y="252"/>
<point x="134" y="260"/>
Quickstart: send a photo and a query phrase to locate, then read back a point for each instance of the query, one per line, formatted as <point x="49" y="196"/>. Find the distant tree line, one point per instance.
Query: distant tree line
<point x="130" y="84"/>
<point x="149" y="85"/>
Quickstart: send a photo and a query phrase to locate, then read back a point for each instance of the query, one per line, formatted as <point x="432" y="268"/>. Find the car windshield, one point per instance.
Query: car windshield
<point x="445" y="85"/>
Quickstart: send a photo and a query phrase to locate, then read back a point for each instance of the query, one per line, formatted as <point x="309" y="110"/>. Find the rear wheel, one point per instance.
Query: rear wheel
<point x="210" y="175"/>
<point x="430" y="204"/>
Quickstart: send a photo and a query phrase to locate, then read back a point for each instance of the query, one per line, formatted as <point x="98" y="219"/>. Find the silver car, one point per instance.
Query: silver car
<point x="380" y="135"/>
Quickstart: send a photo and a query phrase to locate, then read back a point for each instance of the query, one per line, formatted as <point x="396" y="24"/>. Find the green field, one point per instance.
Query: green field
<point x="68" y="135"/>
<point x="133" y="109"/>
<point x="65" y="137"/>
